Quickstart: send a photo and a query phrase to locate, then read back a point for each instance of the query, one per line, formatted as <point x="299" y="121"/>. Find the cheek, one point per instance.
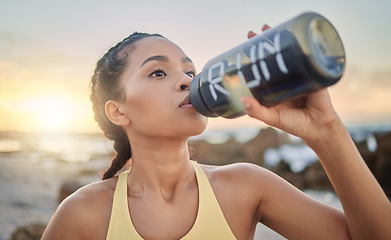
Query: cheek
<point x="160" y="119"/>
<point x="147" y="111"/>
<point x="142" y="99"/>
<point x="154" y="113"/>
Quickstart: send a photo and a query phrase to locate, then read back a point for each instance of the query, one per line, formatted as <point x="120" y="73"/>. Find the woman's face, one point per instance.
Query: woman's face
<point x="156" y="83"/>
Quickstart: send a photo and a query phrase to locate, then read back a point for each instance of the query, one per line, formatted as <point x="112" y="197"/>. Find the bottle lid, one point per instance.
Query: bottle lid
<point x="196" y="98"/>
<point x="326" y="48"/>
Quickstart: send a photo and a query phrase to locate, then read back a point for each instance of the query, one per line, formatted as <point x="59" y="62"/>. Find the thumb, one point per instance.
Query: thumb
<point x="256" y="110"/>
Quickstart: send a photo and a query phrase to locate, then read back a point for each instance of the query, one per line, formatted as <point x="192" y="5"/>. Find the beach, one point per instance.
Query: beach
<point x="30" y="190"/>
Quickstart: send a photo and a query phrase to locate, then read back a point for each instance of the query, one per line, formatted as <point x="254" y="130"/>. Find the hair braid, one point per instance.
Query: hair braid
<point x="106" y="85"/>
<point x="124" y="152"/>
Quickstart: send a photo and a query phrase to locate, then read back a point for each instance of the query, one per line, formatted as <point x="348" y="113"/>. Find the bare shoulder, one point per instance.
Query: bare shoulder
<point x="239" y="189"/>
<point x="251" y="180"/>
<point x="244" y="180"/>
<point x="233" y="168"/>
<point x="238" y="172"/>
<point x="85" y="214"/>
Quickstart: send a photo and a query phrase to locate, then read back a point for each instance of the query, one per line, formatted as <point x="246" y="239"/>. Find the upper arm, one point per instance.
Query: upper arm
<point x="83" y="215"/>
<point x="295" y="215"/>
<point x="67" y="221"/>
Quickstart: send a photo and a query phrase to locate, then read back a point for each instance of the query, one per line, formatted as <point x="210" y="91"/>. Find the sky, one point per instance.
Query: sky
<point x="48" y="51"/>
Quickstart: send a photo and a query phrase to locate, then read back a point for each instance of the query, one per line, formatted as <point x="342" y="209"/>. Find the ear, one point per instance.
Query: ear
<point x="114" y="113"/>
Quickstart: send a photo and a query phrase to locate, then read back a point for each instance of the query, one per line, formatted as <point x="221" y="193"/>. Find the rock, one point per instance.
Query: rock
<point x="295" y="179"/>
<point x="312" y="177"/>
<point x="282" y="167"/>
<point x="284" y="170"/>
<point x="267" y="138"/>
<point x="67" y="188"/>
<point x="315" y="177"/>
<point x="382" y="168"/>
<point x="29" y="232"/>
<point x="379" y="162"/>
<point x="367" y="155"/>
<point x="218" y="154"/>
<point x="233" y="151"/>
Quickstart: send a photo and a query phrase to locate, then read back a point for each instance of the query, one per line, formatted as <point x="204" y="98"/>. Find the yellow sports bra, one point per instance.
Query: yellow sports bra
<point x="210" y="222"/>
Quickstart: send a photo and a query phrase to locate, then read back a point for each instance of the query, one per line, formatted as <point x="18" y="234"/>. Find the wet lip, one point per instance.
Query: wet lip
<point x="186" y="103"/>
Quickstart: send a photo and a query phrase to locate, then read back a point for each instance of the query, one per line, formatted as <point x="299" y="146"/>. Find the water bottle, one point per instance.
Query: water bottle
<point x="299" y="56"/>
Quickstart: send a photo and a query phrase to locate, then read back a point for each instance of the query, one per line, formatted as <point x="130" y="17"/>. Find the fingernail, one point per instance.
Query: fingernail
<point x="251" y="34"/>
<point x="265" y="27"/>
<point x="246" y="104"/>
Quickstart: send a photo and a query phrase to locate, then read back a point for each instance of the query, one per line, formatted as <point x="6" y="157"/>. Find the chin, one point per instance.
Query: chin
<point x="197" y="127"/>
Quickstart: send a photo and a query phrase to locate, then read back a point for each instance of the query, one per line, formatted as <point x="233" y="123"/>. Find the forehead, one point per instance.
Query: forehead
<point x="151" y="46"/>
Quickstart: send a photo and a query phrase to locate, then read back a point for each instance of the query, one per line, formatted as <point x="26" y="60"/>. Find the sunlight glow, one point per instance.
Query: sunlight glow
<point x="53" y="112"/>
<point x="50" y="112"/>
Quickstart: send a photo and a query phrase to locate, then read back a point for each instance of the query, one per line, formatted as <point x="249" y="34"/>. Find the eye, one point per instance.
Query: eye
<point x="158" y="73"/>
<point x="191" y="74"/>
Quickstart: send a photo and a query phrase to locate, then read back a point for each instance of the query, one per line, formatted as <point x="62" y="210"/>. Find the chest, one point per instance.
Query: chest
<point x="204" y="210"/>
<point x="157" y="218"/>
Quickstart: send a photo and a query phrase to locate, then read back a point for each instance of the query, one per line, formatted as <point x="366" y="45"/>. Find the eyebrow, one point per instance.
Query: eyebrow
<point x="186" y="60"/>
<point x="163" y="59"/>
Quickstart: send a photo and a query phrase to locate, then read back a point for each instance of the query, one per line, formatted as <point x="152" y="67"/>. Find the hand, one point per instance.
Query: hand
<point x="303" y="117"/>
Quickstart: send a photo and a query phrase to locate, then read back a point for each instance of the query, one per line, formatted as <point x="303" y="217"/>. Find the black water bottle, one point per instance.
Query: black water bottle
<point x="299" y="56"/>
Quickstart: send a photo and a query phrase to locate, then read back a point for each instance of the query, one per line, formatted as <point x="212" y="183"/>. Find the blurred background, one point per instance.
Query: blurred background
<point x="48" y="51"/>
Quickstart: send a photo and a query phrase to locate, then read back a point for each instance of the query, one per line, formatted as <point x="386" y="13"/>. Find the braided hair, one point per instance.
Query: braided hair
<point x="106" y="85"/>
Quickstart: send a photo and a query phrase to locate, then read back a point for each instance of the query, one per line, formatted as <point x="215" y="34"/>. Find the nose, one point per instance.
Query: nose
<point x="183" y="83"/>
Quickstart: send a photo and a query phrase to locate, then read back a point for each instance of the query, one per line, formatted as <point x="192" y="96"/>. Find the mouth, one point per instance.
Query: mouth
<point x="186" y="103"/>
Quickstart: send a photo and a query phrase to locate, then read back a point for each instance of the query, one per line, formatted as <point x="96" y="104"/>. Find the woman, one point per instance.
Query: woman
<point x="140" y="98"/>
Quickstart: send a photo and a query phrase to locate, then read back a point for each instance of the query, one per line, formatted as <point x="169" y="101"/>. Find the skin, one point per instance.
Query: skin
<point x="162" y="179"/>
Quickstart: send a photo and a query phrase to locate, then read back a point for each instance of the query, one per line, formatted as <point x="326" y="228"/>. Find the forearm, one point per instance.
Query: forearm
<point x="367" y="209"/>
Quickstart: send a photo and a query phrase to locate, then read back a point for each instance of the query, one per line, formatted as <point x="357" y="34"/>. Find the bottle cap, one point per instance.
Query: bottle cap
<point x="196" y="98"/>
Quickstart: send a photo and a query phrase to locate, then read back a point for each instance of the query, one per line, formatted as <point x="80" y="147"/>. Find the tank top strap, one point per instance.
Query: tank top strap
<point x="210" y="222"/>
<point x="121" y="226"/>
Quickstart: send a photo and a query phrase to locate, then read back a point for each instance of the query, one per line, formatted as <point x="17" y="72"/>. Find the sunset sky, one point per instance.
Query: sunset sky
<point x="48" y="51"/>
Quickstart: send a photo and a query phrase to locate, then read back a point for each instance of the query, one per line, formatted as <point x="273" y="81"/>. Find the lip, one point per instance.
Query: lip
<point x="186" y="103"/>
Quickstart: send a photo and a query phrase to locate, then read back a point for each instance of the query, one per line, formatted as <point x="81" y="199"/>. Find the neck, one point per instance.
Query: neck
<point x="160" y="164"/>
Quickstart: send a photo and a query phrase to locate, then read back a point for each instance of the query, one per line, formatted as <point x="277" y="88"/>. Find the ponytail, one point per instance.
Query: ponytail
<point x="106" y="85"/>
<point x="124" y="153"/>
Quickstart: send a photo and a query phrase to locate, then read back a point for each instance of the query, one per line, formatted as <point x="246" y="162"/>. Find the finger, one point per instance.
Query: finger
<point x="251" y="34"/>
<point x="265" y="27"/>
<point x="255" y="110"/>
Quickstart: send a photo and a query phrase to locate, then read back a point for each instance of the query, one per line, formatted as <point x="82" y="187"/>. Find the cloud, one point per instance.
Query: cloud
<point x="25" y="58"/>
<point x="363" y="96"/>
